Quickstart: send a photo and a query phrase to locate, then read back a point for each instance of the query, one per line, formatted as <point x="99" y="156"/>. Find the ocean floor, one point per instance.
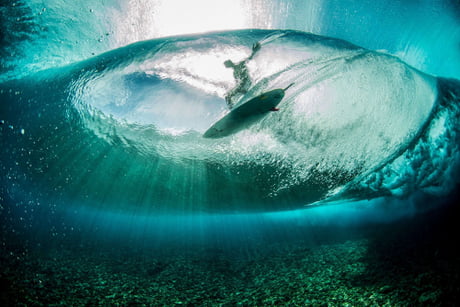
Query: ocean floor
<point x="410" y="262"/>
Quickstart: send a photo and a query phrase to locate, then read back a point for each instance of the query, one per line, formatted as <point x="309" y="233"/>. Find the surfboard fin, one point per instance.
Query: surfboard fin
<point x="288" y="86"/>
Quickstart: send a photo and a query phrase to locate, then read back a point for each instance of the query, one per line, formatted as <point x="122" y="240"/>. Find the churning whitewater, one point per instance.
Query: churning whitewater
<point x="125" y="128"/>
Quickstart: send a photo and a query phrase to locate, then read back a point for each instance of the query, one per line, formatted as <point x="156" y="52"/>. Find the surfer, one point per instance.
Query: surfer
<point x="241" y="75"/>
<point x="247" y="113"/>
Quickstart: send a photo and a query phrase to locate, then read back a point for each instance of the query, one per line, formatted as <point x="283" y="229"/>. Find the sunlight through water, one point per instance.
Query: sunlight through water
<point x="332" y="192"/>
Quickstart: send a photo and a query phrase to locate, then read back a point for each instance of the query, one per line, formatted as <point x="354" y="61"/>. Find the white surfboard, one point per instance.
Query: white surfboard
<point x="246" y="114"/>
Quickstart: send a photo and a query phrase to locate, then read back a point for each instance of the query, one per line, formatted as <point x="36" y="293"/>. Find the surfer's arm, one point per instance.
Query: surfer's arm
<point x="255" y="48"/>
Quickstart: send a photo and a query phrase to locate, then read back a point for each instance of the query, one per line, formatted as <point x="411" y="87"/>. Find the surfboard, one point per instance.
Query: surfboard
<point x="246" y="114"/>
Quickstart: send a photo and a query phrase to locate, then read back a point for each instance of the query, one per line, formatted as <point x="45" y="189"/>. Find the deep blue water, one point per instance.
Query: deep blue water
<point x="103" y="107"/>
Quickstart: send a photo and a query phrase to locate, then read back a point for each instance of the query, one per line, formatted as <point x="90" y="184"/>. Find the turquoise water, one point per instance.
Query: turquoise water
<point x="105" y="168"/>
<point x="124" y="130"/>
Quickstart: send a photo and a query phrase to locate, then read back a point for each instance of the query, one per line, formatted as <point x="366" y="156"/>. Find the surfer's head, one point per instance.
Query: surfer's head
<point x="229" y="64"/>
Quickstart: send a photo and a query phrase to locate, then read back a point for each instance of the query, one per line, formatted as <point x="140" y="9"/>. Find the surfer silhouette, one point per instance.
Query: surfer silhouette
<point x="241" y="75"/>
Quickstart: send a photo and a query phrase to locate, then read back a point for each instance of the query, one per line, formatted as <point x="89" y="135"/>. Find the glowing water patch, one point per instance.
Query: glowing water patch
<point x="199" y="16"/>
<point x="143" y="19"/>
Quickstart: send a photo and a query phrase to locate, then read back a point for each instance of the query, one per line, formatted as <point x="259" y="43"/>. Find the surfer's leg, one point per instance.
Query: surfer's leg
<point x="228" y="100"/>
<point x="230" y="97"/>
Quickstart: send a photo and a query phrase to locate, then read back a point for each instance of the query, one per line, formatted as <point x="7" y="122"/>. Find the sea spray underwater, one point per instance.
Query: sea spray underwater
<point x="110" y="194"/>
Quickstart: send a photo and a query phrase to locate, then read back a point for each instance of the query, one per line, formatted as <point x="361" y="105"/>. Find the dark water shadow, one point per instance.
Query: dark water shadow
<point x="18" y="25"/>
<point x="416" y="259"/>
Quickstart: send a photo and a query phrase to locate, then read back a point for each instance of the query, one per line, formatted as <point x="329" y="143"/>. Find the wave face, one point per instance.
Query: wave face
<point x="123" y="130"/>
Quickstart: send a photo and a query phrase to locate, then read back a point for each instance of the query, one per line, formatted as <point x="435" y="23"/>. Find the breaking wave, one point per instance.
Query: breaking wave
<point x="124" y="129"/>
